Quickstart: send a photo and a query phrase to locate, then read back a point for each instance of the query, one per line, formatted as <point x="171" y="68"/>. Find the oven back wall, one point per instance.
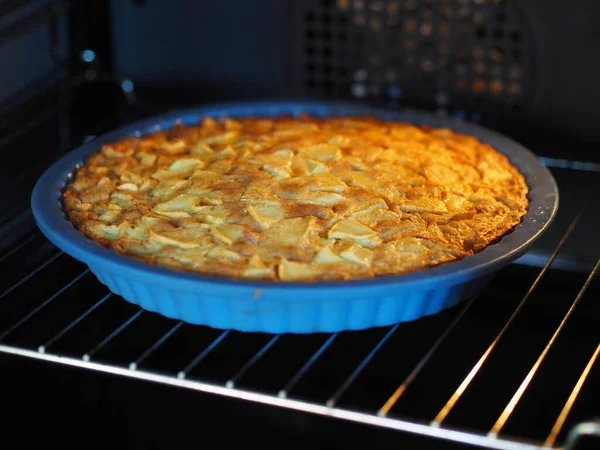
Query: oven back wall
<point x="215" y="50"/>
<point x="530" y="62"/>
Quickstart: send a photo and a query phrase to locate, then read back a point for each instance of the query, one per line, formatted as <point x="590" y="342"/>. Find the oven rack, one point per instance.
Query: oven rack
<point x="77" y="337"/>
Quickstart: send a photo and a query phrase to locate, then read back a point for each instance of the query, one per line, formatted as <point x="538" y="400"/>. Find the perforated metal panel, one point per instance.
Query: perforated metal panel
<point x="455" y="55"/>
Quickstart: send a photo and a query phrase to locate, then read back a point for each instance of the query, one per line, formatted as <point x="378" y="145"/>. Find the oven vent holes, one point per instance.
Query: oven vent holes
<point x="471" y="58"/>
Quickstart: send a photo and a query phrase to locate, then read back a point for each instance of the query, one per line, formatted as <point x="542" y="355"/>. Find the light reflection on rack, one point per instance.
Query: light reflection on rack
<point x="568" y="164"/>
<point x="519" y="393"/>
<point x="562" y="417"/>
<point x="441" y="416"/>
<point x="328" y="407"/>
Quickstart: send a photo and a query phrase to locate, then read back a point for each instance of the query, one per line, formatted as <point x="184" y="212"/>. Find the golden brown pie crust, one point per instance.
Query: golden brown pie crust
<point x="297" y="199"/>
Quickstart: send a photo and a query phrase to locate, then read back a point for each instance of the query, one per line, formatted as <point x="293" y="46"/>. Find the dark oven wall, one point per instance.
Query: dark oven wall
<point x="526" y="62"/>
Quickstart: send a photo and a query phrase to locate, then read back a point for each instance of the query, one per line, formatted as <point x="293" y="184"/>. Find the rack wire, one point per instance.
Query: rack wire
<point x="284" y="395"/>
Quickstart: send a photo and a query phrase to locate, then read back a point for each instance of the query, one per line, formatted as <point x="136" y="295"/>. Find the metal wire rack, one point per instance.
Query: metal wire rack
<point x="70" y="319"/>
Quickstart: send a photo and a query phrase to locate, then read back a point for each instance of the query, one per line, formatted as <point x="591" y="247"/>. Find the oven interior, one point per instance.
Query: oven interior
<point x="513" y="368"/>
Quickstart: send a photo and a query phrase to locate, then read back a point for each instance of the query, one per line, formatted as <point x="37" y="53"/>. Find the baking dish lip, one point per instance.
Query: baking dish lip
<point x="46" y="202"/>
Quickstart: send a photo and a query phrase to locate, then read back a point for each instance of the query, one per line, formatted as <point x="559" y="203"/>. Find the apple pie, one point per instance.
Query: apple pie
<point x="297" y="198"/>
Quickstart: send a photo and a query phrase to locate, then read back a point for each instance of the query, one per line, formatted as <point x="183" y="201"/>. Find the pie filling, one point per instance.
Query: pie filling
<point x="297" y="199"/>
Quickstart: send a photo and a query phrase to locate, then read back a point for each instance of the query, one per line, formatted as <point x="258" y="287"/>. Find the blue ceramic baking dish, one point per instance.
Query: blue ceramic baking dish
<point x="277" y="307"/>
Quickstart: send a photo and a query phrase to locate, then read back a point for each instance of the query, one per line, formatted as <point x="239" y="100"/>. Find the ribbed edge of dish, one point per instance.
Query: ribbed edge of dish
<point x="297" y="315"/>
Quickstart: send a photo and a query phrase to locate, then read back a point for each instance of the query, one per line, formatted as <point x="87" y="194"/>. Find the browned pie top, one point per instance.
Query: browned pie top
<point x="297" y="198"/>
